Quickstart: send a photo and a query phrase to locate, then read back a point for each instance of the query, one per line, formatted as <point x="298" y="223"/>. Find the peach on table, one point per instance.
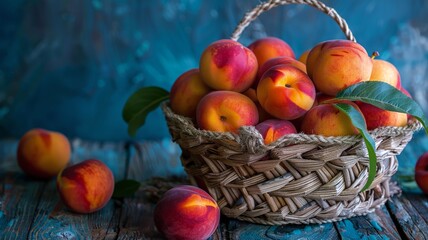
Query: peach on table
<point x="86" y="187"/>
<point x="186" y="212"/>
<point x="42" y="153"/>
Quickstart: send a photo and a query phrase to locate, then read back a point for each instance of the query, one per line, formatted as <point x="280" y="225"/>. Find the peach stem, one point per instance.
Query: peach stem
<point x="375" y="54"/>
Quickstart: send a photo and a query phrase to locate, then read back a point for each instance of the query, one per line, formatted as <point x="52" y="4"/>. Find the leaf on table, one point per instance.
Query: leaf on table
<point x="358" y="121"/>
<point x="385" y="96"/>
<point x="125" y="188"/>
<point x="140" y="104"/>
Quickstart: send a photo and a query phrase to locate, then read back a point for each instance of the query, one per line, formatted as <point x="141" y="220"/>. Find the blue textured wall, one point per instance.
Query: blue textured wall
<point x="70" y="65"/>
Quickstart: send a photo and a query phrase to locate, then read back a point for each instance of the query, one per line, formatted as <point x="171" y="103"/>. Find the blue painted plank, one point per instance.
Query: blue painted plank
<point x="19" y="197"/>
<point x="410" y="223"/>
<point x="377" y="225"/>
<point x="420" y="203"/>
<point x="244" y="230"/>
<point x="312" y="231"/>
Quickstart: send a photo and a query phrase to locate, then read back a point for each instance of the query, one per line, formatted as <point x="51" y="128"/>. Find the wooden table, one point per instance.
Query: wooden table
<point x="31" y="209"/>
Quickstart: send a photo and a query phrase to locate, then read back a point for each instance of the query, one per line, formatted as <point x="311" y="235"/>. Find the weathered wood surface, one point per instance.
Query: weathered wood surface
<point x="32" y="209"/>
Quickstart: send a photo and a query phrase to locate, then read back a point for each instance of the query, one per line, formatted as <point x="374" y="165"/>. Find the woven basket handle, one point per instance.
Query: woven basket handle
<point x="263" y="7"/>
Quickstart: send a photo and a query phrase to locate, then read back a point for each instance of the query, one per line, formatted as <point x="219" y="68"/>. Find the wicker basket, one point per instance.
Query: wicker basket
<point x="299" y="178"/>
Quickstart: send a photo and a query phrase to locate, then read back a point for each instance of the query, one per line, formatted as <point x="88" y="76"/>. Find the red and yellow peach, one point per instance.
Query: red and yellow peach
<point x="270" y="47"/>
<point x="286" y="92"/>
<point x="228" y="65"/>
<point x="327" y="120"/>
<point x="337" y="64"/>
<point x="186" y="212"/>
<point x="43" y="154"/>
<point x="86" y="187"/>
<point x="226" y="111"/>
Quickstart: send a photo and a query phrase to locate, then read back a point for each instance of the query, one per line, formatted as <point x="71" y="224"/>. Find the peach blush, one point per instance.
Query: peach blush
<point x="228" y="65"/>
<point x="186" y="212"/>
<point x="286" y="92"/>
<point x="86" y="187"/>
<point x="43" y="154"/>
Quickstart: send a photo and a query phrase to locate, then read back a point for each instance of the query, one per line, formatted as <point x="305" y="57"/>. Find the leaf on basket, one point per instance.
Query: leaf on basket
<point x="385" y="96"/>
<point x="358" y="121"/>
<point x="125" y="188"/>
<point x="140" y="104"/>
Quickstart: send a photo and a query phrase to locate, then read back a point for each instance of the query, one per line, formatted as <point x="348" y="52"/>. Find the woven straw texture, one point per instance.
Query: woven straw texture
<point x="297" y="179"/>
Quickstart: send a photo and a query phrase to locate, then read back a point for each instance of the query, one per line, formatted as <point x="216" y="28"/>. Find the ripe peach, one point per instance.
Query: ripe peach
<point x="186" y="92"/>
<point x="336" y="64"/>
<point x="377" y="117"/>
<point x="270" y="47"/>
<point x="286" y="92"/>
<point x="228" y="65"/>
<point x="186" y="212"/>
<point x="226" y="111"/>
<point x="385" y="72"/>
<point x="421" y="172"/>
<point x="86" y="187"/>
<point x="43" y="154"/>
<point x="327" y="120"/>
<point x="273" y="129"/>
<point x="278" y="61"/>
<point x="304" y="56"/>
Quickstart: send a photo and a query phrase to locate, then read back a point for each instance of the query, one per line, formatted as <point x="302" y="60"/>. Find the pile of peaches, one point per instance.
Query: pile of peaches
<point x="265" y="86"/>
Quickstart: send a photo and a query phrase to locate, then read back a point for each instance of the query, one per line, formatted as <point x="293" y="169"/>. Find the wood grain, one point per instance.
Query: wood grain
<point x="52" y="220"/>
<point x="410" y="223"/>
<point x="136" y="221"/>
<point x="243" y="230"/>
<point x="19" y="197"/>
<point x="377" y="225"/>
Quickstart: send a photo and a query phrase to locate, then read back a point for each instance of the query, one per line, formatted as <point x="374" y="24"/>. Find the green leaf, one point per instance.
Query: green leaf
<point x="385" y="96"/>
<point x="358" y="121"/>
<point x="140" y="104"/>
<point x="125" y="188"/>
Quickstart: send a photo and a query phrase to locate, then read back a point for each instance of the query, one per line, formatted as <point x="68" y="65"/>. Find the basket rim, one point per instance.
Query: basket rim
<point x="248" y="134"/>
